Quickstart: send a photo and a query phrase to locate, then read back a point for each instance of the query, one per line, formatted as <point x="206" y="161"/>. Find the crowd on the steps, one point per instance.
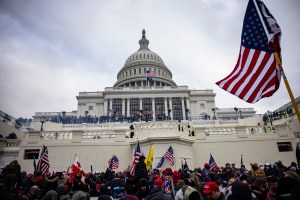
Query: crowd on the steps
<point x="267" y="182"/>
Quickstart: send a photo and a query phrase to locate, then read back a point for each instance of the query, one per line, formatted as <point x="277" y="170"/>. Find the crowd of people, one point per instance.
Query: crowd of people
<point x="268" y="182"/>
<point x="277" y="115"/>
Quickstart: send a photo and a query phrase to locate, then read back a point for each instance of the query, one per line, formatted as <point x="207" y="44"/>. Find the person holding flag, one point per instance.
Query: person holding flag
<point x="141" y="169"/>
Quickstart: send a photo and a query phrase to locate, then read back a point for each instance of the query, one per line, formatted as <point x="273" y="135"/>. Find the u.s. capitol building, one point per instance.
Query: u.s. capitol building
<point x="146" y="96"/>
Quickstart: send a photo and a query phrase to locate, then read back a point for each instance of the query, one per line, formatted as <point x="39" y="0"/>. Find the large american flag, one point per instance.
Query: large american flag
<point x="113" y="163"/>
<point x="169" y="155"/>
<point x="137" y="155"/>
<point x="212" y="163"/>
<point x="43" y="164"/>
<point x="256" y="74"/>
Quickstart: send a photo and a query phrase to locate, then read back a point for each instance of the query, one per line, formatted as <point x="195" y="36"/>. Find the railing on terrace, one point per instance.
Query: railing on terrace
<point x="56" y="136"/>
<point x="220" y="131"/>
<point x="9" y="143"/>
<point x="146" y="88"/>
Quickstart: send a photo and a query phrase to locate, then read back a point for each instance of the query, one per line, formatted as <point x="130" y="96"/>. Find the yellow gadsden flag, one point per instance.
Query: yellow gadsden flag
<point x="149" y="159"/>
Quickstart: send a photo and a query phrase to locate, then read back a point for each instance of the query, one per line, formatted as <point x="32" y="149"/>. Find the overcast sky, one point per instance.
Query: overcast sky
<point x="52" y="50"/>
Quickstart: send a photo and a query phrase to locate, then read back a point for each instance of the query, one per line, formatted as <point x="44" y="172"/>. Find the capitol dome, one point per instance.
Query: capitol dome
<point x="144" y="68"/>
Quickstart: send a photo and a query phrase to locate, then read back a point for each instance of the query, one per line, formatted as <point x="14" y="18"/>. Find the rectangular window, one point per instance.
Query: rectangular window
<point x="284" y="146"/>
<point x="134" y="71"/>
<point x="202" y="105"/>
<point x="31" y="154"/>
<point x="140" y="71"/>
<point x="90" y="107"/>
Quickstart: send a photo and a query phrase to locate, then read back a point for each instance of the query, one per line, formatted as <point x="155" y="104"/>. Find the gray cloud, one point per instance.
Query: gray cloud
<point x="51" y="50"/>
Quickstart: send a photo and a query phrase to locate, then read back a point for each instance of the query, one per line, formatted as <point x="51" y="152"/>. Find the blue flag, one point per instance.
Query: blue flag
<point x="161" y="162"/>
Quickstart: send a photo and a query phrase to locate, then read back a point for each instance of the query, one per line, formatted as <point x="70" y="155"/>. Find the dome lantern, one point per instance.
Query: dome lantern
<point x="144" y="42"/>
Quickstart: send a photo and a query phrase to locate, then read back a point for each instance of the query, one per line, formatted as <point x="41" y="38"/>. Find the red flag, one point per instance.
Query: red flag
<point x="256" y="74"/>
<point x="76" y="167"/>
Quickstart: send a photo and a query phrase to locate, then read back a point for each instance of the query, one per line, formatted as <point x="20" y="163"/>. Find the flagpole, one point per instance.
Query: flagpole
<point x="287" y="85"/>
<point x="279" y="65"/>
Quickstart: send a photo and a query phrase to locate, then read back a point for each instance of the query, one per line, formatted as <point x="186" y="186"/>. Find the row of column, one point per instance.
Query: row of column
<point x="146" y="83"/>
<point x="153" y="106"/>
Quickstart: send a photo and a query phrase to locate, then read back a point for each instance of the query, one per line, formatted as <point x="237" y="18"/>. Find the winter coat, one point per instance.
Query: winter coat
<point x="158" y="194"/>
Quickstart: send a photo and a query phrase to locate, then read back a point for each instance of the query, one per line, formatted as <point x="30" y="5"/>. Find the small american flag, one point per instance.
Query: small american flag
<point x="43" y="164"/>
<point x="256" y="74"/>
<point x="137" y="155"/>
<point x="113" y="163"/>
<point x="212" y="163"/>
<point x="150" y="73"/>
<point x="169" y="155"/>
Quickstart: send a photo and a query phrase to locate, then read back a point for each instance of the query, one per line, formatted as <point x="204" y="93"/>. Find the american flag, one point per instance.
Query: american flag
<point x="137" y="155"/>
<point x="43" y="164"/>
<point x="212" y="163"/>
<point x="256" y="74"/>
<point x="169" y="155"/>
<point x="150" y="73"/>
<point x="113" y="163"/>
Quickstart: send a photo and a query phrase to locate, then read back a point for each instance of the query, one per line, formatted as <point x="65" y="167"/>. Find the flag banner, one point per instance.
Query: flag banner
<point x="149" y="159"/>
<point x="169" y="155"/>
<point x="256" y="74"/>
<point x="113" y="163"/>
<point x="43" y="164"/>
<point x="161" y="162"/>
<point x="212" y="163"/>
<point x="150" y="73"/>
<point x="137" y="155"/>
<point x="76" y="167"/>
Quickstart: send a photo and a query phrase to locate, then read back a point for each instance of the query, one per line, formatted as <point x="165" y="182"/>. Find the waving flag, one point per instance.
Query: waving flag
<point x="256" y="74"/>
<point x="169" y="155"/>
<point x="113" y="163"/>
<point x="76" y="167"/>
<point x="161" y="162"/>
<point x="212" y="163"/>
<point x="43" y="164"/>
<point x="150" y="73"/>
<point x="149" y="159"/>
<point x="137" y="155"/>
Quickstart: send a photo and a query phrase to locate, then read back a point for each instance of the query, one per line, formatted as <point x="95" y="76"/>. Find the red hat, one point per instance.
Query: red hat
<point x="164" y="172"/>
<point x="158" y="181"/>
<point x="176" y="173"/>
<point x="217" y="167"/>
<point x="169" y="170"/>
<point x="155" y="176"/>
<point x="209" y="187"/>
<point x="206" y="165"/>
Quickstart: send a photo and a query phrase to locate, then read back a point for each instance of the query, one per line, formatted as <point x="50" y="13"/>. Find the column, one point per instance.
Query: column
<point x="123" y="107"/>
<point x="105" y="107"/>
<point x="141" y="104"/>
<point x="110" y="106"/>
<point x="135" y="84"/>
<point x="128" y="107"/>
<point x="166" y="106"/>
<point x="170" y="104"/>
<point x="183" y="109"/>
<point x="188" y="106"/>
<point x="153" y="109"/>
